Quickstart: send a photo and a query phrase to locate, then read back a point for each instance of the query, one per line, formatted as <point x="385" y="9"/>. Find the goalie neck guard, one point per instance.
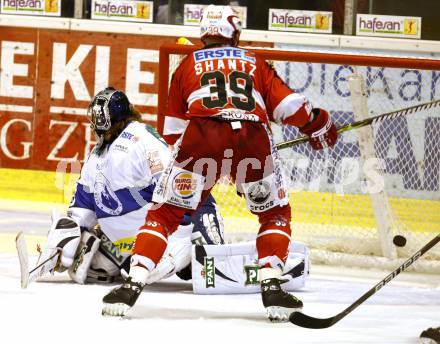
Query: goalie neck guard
<point x="219" y="22"/>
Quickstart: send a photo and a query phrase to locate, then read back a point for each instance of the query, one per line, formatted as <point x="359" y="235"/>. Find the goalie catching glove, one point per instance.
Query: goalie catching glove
<point x="320" y="129"/>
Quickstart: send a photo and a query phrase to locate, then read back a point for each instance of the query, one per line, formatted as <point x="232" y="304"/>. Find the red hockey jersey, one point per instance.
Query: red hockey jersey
<point x="233" y="83"/>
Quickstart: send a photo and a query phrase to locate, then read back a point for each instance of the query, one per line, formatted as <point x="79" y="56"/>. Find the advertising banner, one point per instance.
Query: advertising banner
<point x="31" y="7"/>
<point x="193" y="12"/>
<point x="139" y="11"/>
<point x="388" y="26"/>
<point x="48" y="78"/>
<point x="301" y="21"/>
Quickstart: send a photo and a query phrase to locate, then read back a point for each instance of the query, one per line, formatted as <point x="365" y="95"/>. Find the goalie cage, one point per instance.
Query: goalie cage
<point x="331" y="211"/>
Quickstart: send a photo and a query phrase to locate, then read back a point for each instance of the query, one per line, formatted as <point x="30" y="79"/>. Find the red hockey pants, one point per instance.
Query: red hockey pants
<point x="213" y="148"/>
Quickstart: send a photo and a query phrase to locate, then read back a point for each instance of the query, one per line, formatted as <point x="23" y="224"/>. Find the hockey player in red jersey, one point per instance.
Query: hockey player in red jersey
<point x="221" y="101"/>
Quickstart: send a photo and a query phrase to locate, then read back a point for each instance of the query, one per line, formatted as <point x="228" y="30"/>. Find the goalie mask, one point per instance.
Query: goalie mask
<point x="220" y="22"/>
<point x="107" y="108"/>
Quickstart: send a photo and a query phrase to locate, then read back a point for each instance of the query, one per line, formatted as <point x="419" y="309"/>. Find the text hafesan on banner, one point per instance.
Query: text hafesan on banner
<point x="139" y="11"/>
<point x="388" y="26"/>
<point x="301" y="21"/>
<point x="31" y="7"/>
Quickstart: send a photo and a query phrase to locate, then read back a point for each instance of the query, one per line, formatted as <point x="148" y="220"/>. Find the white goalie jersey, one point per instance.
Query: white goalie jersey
<point x="115" y="188"/>
<point x="115" y="191"/>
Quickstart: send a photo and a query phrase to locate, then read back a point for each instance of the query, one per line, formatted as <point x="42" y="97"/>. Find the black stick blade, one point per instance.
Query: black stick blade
<point x="307" y="321"/>
<point x="304" y="320"/>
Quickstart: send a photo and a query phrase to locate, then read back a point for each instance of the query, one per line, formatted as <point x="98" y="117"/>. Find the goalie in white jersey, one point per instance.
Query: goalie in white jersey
<point x="112" y="199"/>
<point x="113" y="195"/>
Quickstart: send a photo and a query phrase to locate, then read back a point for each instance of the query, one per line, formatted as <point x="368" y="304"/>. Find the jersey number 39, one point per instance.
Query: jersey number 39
<point x="239" y="83"/>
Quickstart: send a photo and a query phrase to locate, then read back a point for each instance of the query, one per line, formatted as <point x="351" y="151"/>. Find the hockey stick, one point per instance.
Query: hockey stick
<point x="308" y="321"/>
<point x="367" y="121"/>
<point x="29" y="276"/>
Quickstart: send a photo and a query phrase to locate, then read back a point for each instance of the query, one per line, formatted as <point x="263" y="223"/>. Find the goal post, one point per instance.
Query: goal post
<point x="348" y="202"/>
<point x="379" y="199"/>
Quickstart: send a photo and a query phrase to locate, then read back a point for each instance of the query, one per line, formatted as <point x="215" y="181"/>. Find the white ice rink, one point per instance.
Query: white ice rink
<point x="58" y="311"/>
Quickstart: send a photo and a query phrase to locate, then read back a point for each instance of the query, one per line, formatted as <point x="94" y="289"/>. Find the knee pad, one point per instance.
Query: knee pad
<point x="265" y="194"/>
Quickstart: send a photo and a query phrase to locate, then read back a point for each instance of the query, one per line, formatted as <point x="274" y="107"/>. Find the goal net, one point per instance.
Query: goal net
<point x="378" y="181"/>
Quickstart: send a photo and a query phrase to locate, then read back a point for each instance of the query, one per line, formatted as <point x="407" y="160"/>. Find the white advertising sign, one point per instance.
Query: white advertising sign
<point x="193" y="13"/>
<point x="31" y="7"/>
<point x="388" y="26"/>
<point x="302" y="21"/>
<point x="140" y="11"/>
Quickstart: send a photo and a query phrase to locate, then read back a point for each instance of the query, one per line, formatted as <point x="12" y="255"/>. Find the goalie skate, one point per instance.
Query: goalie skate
<point x="121" y="299"/>
<point x="278" y="303"/>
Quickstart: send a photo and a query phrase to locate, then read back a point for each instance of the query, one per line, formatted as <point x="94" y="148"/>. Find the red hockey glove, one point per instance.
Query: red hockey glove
<point x="320" y="129"/>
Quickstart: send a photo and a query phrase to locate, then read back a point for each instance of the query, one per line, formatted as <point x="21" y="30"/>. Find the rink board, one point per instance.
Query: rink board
<point x="311" y="208"/>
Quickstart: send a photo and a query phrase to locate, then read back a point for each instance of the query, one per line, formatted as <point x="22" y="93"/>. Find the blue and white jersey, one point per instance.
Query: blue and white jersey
<point x="116" y="187"/>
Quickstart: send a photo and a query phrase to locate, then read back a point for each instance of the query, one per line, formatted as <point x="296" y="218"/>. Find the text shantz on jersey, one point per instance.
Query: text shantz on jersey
<point x="224" y="58"/>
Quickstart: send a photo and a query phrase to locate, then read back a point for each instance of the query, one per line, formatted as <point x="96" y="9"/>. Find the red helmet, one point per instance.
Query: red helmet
<point x="220" y="21"/>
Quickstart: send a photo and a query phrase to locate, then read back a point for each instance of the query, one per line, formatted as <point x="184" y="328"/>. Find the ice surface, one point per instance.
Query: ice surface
<point x="56" y="310"/>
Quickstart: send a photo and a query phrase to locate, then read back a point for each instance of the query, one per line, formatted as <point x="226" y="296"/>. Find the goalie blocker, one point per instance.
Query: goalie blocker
<point x="233" y="269"/>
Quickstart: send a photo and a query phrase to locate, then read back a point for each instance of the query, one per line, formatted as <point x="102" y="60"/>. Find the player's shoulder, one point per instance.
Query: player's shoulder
<point x="133" y="128"/>
<point x="142" y="134"/>
<point x="251" y="55"/>
<point x="130" y="135"/>
<point x="223" y="52"/>
<point x="127" y="141"/>
<point x="185" y="63"/>
<point x="134" y="131"/>
<point x="189" y="58"/>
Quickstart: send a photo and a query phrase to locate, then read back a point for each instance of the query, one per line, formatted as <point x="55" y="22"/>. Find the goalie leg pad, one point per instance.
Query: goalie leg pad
<point x="89" y="245"/>
<point x="233" y="268"/>
<point x="63" y="234"/>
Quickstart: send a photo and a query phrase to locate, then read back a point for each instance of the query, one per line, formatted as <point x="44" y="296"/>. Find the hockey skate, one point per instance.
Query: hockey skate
<point x="121" y="299"/>
<point x="278" y="303"/>
<point x="430" y="336"/>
